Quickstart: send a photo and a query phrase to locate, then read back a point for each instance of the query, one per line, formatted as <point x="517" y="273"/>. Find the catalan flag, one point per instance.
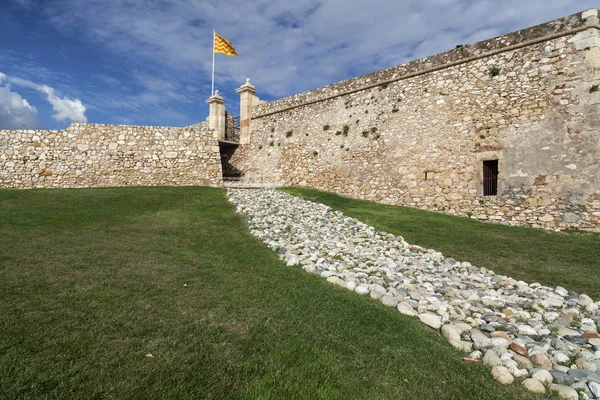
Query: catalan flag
<point x="223" y="46"/>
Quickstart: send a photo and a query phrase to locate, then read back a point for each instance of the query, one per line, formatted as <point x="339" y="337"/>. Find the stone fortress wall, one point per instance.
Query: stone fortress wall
<point x="92" y="155"/>
<point x="417" y="134"/>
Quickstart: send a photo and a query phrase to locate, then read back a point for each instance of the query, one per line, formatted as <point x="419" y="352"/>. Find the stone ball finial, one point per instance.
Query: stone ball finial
<point x="216" y="92"/>
<point x="247" y="81"/>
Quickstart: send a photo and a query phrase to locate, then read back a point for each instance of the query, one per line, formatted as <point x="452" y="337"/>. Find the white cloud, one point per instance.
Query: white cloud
<point x="15" y="111"/>
<point x="64" y="108"/>
<point x="285" y="46"/>
<point x="161" y="48"/>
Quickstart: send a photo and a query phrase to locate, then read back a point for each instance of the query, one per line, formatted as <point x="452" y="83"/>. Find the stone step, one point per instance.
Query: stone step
<point x="247" y="185"/>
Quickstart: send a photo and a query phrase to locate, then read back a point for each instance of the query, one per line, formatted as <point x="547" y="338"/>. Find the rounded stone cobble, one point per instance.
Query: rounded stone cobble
<point x="520" y="329"/>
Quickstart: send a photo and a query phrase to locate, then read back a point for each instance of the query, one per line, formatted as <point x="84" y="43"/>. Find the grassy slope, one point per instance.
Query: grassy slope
<point x="93" y="280"/>
<point x="569" y="259"/>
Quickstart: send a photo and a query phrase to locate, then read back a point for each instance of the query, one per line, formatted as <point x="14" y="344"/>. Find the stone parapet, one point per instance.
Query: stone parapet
<point x="467" y="53"/>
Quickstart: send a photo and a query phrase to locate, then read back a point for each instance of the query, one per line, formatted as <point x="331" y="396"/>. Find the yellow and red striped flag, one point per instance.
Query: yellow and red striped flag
<point x="224" y="46"/>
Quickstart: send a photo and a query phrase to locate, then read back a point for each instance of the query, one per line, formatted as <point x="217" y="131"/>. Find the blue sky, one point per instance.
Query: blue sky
<point x="148" y="62"/>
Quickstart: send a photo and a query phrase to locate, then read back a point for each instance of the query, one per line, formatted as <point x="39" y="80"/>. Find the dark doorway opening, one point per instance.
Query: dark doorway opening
<point x="490" y="177"/>
<point x="230" y="172"/>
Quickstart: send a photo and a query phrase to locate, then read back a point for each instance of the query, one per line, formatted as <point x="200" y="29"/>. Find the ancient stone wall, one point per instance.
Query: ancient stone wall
<point x="420" y="138"/>
<point x="91" y="155"/>
<point x="232" y="129"/>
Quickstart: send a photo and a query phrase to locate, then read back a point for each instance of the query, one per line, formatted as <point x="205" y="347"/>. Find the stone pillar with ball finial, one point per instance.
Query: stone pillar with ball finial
<point x="246" y="92"/>
<point x="216" y="115"/>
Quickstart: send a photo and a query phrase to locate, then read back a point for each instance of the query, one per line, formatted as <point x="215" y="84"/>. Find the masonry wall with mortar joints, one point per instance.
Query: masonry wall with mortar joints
<point x="92" y="155"/>
<point x="537" y="117"/>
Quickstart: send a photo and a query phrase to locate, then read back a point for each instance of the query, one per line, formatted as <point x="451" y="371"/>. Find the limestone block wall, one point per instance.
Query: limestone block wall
<point x="232" y="130"/>
<point x="92" y="155"/>
<point x="420" y="138"/>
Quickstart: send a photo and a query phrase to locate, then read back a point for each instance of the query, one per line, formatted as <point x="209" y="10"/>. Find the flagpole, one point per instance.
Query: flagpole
<point x="213" y="69"/>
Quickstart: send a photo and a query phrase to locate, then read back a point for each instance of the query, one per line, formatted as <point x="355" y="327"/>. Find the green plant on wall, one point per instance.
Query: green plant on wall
<point x="594" y="88"/>
<point x="315" y="153"/>
<point x="326" y="127"/>
<point x="272" y="130"/>
<point x="373" y="130"/>
<point x="383" y="86"/>
<point x="272" y="143"/>
<point x="345" y="130"/>
<point x="495" y="71"/>
<point x="289" y="134"/>
<point x="365" y="133"/>
<point x="395" y="110"/>
<point x="338" y="133"/>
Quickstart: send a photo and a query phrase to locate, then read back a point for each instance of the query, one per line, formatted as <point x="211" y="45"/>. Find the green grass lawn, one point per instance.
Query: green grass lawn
<point x="94" y="280"/>
<point x="569" y="259"/>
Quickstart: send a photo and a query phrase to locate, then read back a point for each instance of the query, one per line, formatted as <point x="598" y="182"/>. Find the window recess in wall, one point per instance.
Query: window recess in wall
<point x="490" y="177"/>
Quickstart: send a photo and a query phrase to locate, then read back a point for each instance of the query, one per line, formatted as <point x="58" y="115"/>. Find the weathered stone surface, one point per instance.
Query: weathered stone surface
<point x="389" y="300"/>
<point x="502" y="375"/>
<point x="594" y="388"/>
<point x="543" y="376"/>
<point x="583" y="375"/>
<point x="565" y="392"/>
<point x="541" y="360"/>
<point x="500" y="334"/>
<point x="453" y="332"/>
<point x="520" y="350"/>
<point x="534" y="386"/>
<point x="92" y="155"/>
<point x="523" y="362"/>
<point x="362" y="289"/>
<point x="583" y="389"/>
<point x="431" y="320"/>
<point x="491" y="358"/>
<point x="462" y="345"/>
<point x="421" y="141"/>
<point x="336" y="281"/>
<point x="561" y="378"/>
<point x="406" y="309"/>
